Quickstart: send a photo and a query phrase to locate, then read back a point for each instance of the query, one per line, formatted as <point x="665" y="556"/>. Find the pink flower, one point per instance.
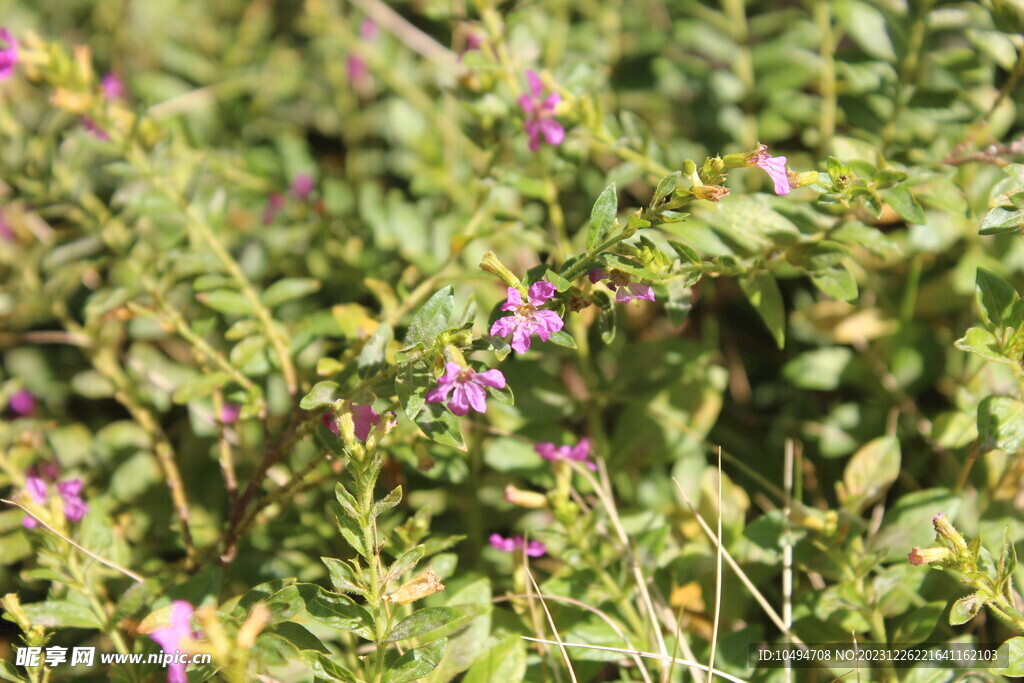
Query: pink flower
<point x="9" y="55"/>
<point x="22" y="403"/>
<point x="508" y="545"/>
<point x="70" y="491"/>
<point x="170" y="638"/>
<point x="112" y="86"/>
<point x="775" y="167"/>
<point x="368" y="30"/>
<point x="540" y="114"/>
<point x="229" y="413"/>
<point x="94" y="129"/>
<point x="526" y="319"/>
<point x="473" y="41"/>
<point x="580" y="453"/>
<point x="364" y="417"/>
<point x="466" y="387"/>
<point x="618" y="281"/>
<point x="302" y="186"/>
<point x="6" y="233"/>
<point x="357" y="70"/>
<point x="275" y="202"/>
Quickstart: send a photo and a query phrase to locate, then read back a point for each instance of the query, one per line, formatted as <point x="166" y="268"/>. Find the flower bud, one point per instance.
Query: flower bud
<point x="258" y="618"/>
<point x="526" y="499"/>
<point x="946" y="531"/>
<point x="711" y="193"/>
<point x="919" y="556"/>
<point x="492" y="264"/>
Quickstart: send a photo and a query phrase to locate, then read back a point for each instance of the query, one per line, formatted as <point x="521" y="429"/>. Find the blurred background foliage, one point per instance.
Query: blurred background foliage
<point x="420" y="164"/>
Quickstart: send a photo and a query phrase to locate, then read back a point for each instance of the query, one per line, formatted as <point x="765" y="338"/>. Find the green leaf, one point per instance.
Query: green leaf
<point x="1007" y="556"/>
<point x="322" y="394"/>
<point x="680" y="300"/>
<point x="821" y="369"/>
<point x="289" y="288"/>
<point x="602" y="217"/>
<point x="441" y="426"/>
<point x="995" y="298"/>
<point x="867" y="28"/>
<point x="9" y="673"/>
<point x="411" y="384"/>
<point x="200" y="386"/>
<point x="386" y="503"/>
<point x="432" y="318"/>
<point x="870" y="472"/>
<point x="405" y="563"/>
<point x="55" y="614"/>
<point x="920" y="623"/>
<point x="505" y="662"/>
<point x="428" y="624"/>
<point x="817" y="256"/>
<point x="686" y="252"/>
<point x="324" y="667"/>
<point x="629" y="266"/>
<point x="226" y="301"/>
<point x="666" y="186"/>
<point x="1002" y="219"/>
<point x="837" y="282"/>
<point x="763" y="294"/>
<point x="905" y="204"/>
<point x="297" y="637"/>
<point x="560" y="283"/>
<point x="964" y="609"/>
<point x="606" y="318"/>
<point x="371" y="357"/>
<point x="980" y="341"/>
<point x="344" y="576"/>
<point x="336" y="611"/>
<point x="1012" y="652"/>
<point x="416" y="663"/>
<point x="1001" y="424"/>
<point x="563" y="338"/>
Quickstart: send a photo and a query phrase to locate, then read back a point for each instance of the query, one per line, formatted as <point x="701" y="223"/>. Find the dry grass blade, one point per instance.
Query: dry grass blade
<point x="105" y="562"/>
<point x="758" y="596"/>
<point x="551" y="622"/>
<point x="718" y="579"/>
<point x="646" y="655"/>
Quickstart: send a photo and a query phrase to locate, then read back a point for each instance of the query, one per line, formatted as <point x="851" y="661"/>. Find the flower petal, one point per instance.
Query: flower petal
<point x="546" y="450"/>
<point x="535" y="549"/>
<point x="541" y="291"/>
<point x="459" y="403"/>
<point x="597" y="274"/>
<point x="365" y="418"/>
<point x="536" y="86"/>
<point x="521" y="339"/>
<point x="553" y="131"/>
<point x="490" y="378"/>
<point x="477" y="396"/>
<point x="503" y="327"/>
<point x="641" y="291"/>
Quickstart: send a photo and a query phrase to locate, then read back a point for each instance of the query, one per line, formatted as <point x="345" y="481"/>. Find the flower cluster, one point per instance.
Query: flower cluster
<point x="70" y="492"/>
<point x="514" y="543"/>
<point x="578" y="453"/>
<point x="539" y="114"/>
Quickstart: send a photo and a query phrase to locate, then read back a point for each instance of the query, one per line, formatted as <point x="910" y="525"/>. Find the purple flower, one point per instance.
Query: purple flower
<point x="275" y="202"/>
<point x="94" y="129"/>
<point x="580" y="453"/>
<point x="112" y="86"/>
<point x="357" y="70"/>
<point x="526" y="319"/>
<point x="775" y="167"/>
<point x="170" y="638"/>
<point x="540" y="114"/>
<point x="473" y="41"/>
<point x="229" y="413"/>
<point x="9" y="55"/>
<point x="364" y="417"/>
<point x="70" y="491"/>
<point x="22" y="403"/>
<point x="618" y="281"/>
<point x="6" y="234"/>
<point x="302" y="186"/>
<point x="466" y="387"/>
<point x="508" y="545"/>
<point x="368" y="30"/>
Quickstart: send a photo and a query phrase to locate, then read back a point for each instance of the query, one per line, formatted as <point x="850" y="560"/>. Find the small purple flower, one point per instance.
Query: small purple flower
<point x="364" y="417"/>
<point x="526" y="318"/>
<point x="70" y="492"/>
<point x="357" y="70"/>
<point x="22" y="403"/>
<point x="618" y="281"/>
<point x="275" y="202"/>
<point x="112" y="86"/>
<point x="513" y="543"/>
<point x="466" y="387"/>
<point x="229" y="413"/>
<point x="473" y="41"/>
<point x="6" y="233"/>
<point x="170" y="638"/>
<point x="540" y="114"/>
<point x="580" y="453"/>
<point x="368" y="30"/>
<point x="775" y="167"/>
<point x="94" y="129"/>
<point x="8" y="55"/>
<point x="302" y="186"/>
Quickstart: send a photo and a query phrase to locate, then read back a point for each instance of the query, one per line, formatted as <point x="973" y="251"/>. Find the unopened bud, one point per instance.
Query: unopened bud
<point x="426" y="583"/>
<point x="492" y="264"/>
<point x="253" y="626"/>
<point x="711" y="193"/>
<point x="919" y="556"/>
<point x="802" y="179"/>
<point x="946" y="531"/>
<point x="525" y="499"/>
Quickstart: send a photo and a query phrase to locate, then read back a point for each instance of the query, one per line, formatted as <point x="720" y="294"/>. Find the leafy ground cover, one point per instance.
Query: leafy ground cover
<point x="485" y="341"/>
